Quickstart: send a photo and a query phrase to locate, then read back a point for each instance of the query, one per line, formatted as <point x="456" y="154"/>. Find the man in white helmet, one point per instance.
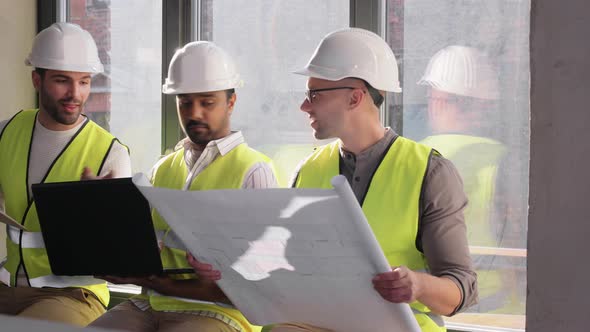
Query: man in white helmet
<point x="413" y="197"/>
<point x="463" y="93"/>
<point x="203" y="78"/>
<point x="51" y="144"/>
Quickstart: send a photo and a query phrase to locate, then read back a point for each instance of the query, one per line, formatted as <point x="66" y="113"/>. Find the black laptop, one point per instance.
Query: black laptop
<point x="97" y="227"/>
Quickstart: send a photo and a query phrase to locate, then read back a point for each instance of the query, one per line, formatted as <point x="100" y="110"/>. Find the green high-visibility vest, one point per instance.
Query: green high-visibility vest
<point x="477" y="160"/>
<point x="88" y="147"/>
<point x="390" y="205"/>
<point x="225" y="172"/>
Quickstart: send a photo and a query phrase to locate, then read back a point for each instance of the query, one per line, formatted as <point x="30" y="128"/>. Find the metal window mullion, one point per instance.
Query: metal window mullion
<point x="370" y="15"/>
<point x="176" y="31"/>
<point x="380" y="17"/>
<point x="47" y="13"/>
<point x="61" y="8"/>
<point x="196" y="19"/>
<point x="365" y="14"/>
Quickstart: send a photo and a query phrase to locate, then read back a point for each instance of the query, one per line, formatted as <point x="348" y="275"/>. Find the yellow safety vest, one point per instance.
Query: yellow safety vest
<point x="477" y="160"/>
<point x="88" y="147"/>
<point x="225" y="172"/>
<point x="391" y="205"/>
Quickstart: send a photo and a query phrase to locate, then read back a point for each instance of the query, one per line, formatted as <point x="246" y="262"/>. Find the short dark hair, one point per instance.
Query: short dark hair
<point x="229" y="93"/>
<point x="40" y="71"/>
<point x="375" y="94"/>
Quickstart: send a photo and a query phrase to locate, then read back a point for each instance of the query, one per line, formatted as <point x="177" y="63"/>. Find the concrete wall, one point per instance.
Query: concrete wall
<point x="559" y="216"/>
<point x="17" y="28"/>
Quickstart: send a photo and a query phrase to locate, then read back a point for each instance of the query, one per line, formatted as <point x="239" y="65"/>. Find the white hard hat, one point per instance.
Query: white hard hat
<point x="65" y="46"/>
<point x="201" y="66"/>
<point x="464" y="71"/>
<point x="354" y="52"/>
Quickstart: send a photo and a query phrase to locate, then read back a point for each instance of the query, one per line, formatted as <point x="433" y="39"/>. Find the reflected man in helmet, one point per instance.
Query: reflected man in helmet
<point x="203" y="77"/>
<point x="412" y="196"/>
<point x="54" y="143"/>
<point x="463" y="93"/>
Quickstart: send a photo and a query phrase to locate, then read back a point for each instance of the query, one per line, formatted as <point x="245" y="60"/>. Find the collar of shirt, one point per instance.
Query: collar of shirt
<point x="359" y="169"/>
<point x="221" y="146"/>
<point x="41" y="130"/>
<point x="374" y="151"/>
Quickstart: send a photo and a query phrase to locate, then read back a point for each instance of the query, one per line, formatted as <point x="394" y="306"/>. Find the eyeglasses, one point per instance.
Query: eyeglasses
<point x="311" y="94"/>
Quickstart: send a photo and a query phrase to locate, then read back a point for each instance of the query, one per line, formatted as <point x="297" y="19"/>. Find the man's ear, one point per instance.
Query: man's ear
<point x="231" y="102"/>
<point x="356" y="98"/>
<point x="36" y="78"/>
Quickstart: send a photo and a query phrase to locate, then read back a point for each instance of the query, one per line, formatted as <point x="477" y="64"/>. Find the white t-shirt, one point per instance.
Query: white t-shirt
<point x="47" y="144"/>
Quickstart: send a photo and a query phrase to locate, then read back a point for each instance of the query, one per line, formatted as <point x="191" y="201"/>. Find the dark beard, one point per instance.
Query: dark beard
<point x="52" y="108"/>
<point x="202" y="139"/>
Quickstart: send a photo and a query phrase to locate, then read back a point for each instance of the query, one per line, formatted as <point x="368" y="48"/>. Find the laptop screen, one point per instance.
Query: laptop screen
<point x="97" y="227"/>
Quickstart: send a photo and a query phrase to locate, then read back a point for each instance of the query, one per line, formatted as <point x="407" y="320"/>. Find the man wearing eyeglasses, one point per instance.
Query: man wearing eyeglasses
<point x="413" y="197"/>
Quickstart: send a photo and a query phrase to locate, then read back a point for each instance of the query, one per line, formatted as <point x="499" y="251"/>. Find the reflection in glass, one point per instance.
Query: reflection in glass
<point x="126" y="98"/>
<point x="465" y="73"/>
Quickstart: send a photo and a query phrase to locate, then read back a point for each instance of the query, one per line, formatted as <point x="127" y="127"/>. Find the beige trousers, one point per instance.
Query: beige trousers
<point x="128" y="317"/>
<point x="74" y="306"/>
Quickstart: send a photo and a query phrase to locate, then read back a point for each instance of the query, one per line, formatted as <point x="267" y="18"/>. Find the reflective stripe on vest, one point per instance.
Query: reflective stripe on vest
<point x="88" y="147"/>
<point x="27" y="240"/>
<point x="160" y="235"/>
<point x="169" y="239"/>
<point x="391" y="210"/>
<point x="4" y="276"/>
<point x="171" y="173"/>
<point x="63" y="281"/>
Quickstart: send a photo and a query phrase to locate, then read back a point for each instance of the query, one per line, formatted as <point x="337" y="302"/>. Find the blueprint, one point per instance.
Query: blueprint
<point x="287" y="255"/>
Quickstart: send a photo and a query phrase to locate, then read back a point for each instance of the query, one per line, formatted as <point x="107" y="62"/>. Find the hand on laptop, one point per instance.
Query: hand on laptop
<point x="87" y="174"/>
<point x="203" y="270"/>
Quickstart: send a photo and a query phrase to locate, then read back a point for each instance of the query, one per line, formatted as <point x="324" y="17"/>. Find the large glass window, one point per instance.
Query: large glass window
<point x="126" y="98"/>
<point x="269" y="39"/>
<point x="465" y="80"/>
<point x="464" y="67"/>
